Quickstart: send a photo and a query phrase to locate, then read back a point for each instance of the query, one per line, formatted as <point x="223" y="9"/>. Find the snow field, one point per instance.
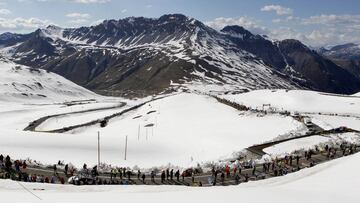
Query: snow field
<point x="183" y="130"/>
<point x="299" y="100"/>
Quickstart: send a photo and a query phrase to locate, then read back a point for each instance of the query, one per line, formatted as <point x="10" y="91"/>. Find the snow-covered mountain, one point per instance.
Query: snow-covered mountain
<point x="146" y="55"/>
<point x="343" y="51"/>
<point x="21" y="83"/>
<point x="346" y="56"/>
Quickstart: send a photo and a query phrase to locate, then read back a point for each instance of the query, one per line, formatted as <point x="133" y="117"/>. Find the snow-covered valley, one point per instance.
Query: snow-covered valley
<point x="177" y="130"/>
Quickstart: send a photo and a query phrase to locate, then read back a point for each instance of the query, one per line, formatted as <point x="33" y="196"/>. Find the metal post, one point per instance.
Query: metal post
<point x="126" y="138"/>
<point x="139" y="132"/>
<point x="98" y="148"/>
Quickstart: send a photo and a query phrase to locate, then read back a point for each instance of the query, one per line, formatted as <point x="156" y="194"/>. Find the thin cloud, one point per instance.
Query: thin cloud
<point x="89" y="1"/>
<point x="78" y="15"/>
<point x="247" y="23"/>
<point x="279" y="10"/>
<point x="5" y="12"/>
<point x="22" y="24"/>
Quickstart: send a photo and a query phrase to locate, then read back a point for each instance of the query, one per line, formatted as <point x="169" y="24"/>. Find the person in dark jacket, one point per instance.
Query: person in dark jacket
<point x="66" y="168"/>
<point x="163" y="177"/>
<point x="8" y="163"/>
<point x="177" y="175"/>
<point x="237" y="179"/>
<point x="143" y="178"/>
<point x="222" y="178"/>
<point x="167" y="174"/>
<point x="171" y="174"/>
<point x="153" y="176"/>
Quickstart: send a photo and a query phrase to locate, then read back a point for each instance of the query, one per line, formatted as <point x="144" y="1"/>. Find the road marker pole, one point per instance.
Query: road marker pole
<point x="98" y="148"/>
<point x="139" y="132"/>
<point x="126" y="140"/>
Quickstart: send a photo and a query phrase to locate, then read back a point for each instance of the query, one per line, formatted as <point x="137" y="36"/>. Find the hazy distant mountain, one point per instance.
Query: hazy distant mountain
<point x="346" y="56"/>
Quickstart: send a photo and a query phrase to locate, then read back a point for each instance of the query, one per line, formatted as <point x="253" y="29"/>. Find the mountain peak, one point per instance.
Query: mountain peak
<point x="174" y="17"/>
<point x="294" y="45"/>
<point x="237" y="31"/>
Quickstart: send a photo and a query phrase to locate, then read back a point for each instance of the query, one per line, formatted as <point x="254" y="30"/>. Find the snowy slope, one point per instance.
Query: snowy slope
<point x="330" y="182"/>
<point x="330" y="122"/>
<point x="27" y="85"/>
<point x="299" y="100"/>
<point x="188" y="129"/>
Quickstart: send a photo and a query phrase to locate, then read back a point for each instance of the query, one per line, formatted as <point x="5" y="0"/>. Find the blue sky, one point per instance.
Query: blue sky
<point x="316" y="22"/>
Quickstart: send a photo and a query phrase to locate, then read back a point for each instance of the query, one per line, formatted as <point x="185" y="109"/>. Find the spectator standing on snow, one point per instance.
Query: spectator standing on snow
<point x="120" y="173"/>
<point x="143" y="178"/>
<point x="8" y="163"/>
<point x="222" y="178"/>
<point x="66" y="168"/>
<point x="297" y="159"/>
<point x="163" y="177"/>
<point x="24" y="165"/>
<point x="177" y="175"/>
<point x="227" y="170"/>
<point x="112" y="174"/>
<point x="17" y="166"/>
<point x="138" y="174"/>
<point x="183" y="176"/>
<point x="94" y="171"/>
<point x="167" y="174"/>
<point x="171" y="174"/>
<point x="237" y="179"/>
<point x="55" y="169"/>
<point x="152" y="176"/>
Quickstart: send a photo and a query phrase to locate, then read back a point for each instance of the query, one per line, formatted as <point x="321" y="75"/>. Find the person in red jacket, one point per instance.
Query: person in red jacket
<point x="227" y="170"/>
<point x="24" y="165"/>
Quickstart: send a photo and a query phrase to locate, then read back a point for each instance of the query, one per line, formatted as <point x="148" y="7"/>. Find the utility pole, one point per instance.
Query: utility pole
<point x="139" y="132"/>
<point x="126" y="140"/>
<point x="98" y="148"/>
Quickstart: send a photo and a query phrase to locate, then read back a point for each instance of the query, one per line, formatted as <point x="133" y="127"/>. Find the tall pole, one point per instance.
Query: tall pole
<point x="126" y="146"/>
<point x="139" y="132"/>
<point x="98" y="148"/>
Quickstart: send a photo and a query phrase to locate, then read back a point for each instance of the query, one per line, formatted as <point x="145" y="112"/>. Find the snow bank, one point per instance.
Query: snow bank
<point x="297" y="144"/>
<point x="330" y="122"/>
